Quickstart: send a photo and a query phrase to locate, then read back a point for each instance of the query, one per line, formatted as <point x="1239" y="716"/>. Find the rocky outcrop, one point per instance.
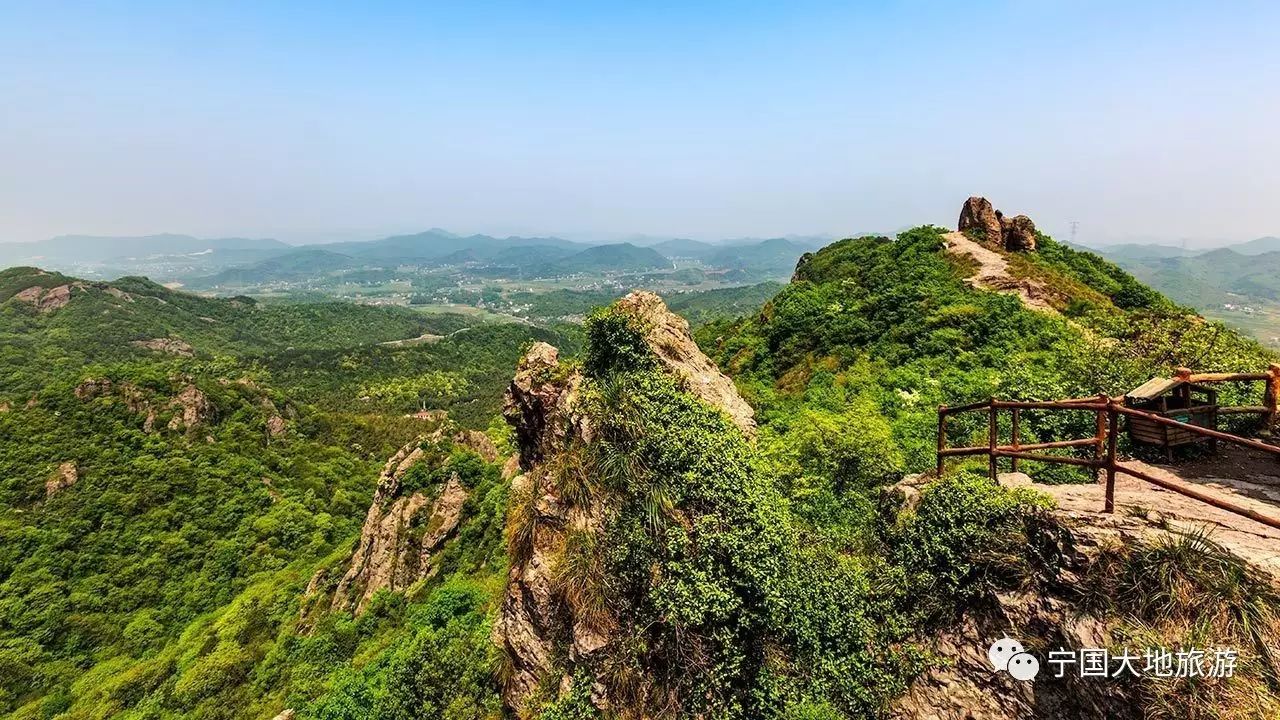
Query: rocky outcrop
<point x="47" y="300"/>
<point x="171" y="346"/>
<point x="402" y="533"/>
<point x="540" y="405"/>
<point x="967" y="688"/>
<point x="133" y="397"/>
<point x="275" y="426"/>
<point x="193" y="409"/>
<point x="66" y="476"/>
<point x="538" y="402"/>
<point x="669" y="338"/>
<point x="538" y="629"/>
<point x="978" y="215"/>
<point x="1017" y="234"/>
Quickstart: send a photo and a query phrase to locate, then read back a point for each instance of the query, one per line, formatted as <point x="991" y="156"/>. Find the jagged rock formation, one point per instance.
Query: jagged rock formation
<point x="539" y="631"/>
<point x="1017" y="233"/>
<point x="540" y="406"/>
<point x="275" y="426"/>
<point x="668" y="336"/>
<point x="189" y="409"/>
<point x="978" y="214"/>
<point x="193" y="409"/>
<point x="390" y="554"/>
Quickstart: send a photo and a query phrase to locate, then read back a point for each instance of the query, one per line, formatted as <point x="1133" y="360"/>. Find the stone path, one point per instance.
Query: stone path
<point x="1145" y="509"/>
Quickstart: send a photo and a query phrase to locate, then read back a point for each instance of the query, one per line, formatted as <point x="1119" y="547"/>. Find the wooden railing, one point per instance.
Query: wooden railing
<point x="1107" y="412"/>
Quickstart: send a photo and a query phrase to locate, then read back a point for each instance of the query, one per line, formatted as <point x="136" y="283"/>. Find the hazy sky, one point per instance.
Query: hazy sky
<point x="307" y="120"/>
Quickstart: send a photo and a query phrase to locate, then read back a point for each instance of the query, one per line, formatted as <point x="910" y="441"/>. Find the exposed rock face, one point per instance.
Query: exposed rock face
<point x="389" y="555"/>
<point x="668" y="336"/>
<point x="46" y="300"/>
<point x="968" y="689"/>
<point x="93" y="388"/>
<point x="275" y="426"/>
<point x="1017" y="234"/>
<point x="538" y="630"/>
<point x="172" y="346"/>
<point x="194" y="409"/>
<point x="540" y="406"/>
<point x="978" y="214"/>
<point x="119" y="294"/>
<point x="65" y="477"/>
<point x="132" y="396"/>
<point x="537" y="403"/>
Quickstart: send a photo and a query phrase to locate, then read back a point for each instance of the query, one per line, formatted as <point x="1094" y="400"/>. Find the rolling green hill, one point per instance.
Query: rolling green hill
<point x="619" y="258"/>
<point x="1239" y="285"/>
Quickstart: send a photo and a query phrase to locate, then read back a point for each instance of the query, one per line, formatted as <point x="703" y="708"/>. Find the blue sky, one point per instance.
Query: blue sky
<point x="313" y="121"/>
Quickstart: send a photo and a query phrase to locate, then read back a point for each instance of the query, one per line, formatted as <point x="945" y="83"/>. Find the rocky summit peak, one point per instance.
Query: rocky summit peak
<point x="544" y="405"/>
<point x="1017" y="233"/>
<point x="668" y="335"/>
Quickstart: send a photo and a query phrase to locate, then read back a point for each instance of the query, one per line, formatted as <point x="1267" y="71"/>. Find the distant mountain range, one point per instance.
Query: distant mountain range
<point x="1148" y="251"/>
<point x="1239" y="284"/>
<point x="234" y="262"/>
<point x="1208" y="279"/>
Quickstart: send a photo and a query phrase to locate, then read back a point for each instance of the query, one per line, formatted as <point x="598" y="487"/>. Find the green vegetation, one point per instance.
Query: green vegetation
<point x="890" y="326"/>
<point x="166" y="578"/>
<point x="163" y="513"/>
<point x="719" y="600"/>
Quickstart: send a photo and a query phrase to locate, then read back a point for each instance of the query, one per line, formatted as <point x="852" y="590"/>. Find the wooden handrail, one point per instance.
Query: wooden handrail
<point x="943" y="409"/>
<point x="1108" y="413"/>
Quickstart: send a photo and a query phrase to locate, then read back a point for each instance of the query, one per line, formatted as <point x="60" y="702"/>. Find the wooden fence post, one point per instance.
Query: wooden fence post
<point x="1100" y="435"/>
<point x="1113" y="422"/>
<point x="1272" y="395"/>
<point x="993" y="433"/>
<point x="1013" y="462"/>
<point x="942" y="438"/>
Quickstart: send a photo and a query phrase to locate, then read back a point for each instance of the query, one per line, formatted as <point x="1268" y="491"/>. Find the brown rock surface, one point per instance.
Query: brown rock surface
<point x="194" y="409"/>
<point x="1019" y="234"/>
<point x="66" y="476"/>
<point x="669" y="337"/>
<point x="978" y="214"/>
<point x="389" y="555"/>
<point x="275" y="426"/>
<point x="46" y="299"/>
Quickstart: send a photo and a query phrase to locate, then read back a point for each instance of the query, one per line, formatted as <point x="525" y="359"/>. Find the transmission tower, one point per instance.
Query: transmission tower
<point x="1075" y="225"/>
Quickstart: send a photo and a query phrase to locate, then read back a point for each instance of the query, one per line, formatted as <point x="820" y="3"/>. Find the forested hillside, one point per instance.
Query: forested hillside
<point x="223" y="508"/>
<point x="883" y="331"/>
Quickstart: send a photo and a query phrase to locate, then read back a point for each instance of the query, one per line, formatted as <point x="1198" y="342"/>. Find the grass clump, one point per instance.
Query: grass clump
<point x="1183" y="590"/>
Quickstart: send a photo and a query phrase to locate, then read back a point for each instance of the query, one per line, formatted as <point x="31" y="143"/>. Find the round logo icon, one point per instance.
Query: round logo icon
<point x="1001" y="650"/>
<point x="1024" y="666"/>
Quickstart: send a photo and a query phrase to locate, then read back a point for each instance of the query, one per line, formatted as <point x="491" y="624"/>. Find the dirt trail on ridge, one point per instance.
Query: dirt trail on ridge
<point x="993" y="273"/>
